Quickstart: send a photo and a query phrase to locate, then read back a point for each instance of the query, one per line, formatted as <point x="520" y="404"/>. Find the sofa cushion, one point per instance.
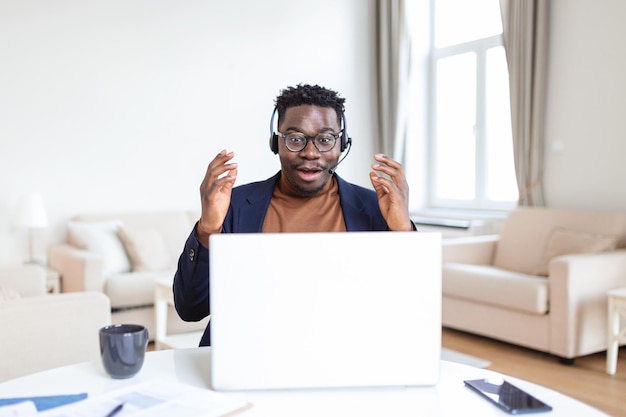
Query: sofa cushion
<point x="496" y="287"/>
<point x="525" y="233"/>
<point x="134" y="289"/>
<point x="173" y="226"/>
<point x="145" y="248"/>
<point x="101" y="238"/>
<point x="566" y="242"/>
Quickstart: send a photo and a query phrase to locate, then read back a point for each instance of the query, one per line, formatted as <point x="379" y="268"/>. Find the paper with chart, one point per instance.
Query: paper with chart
<point x="153" y="399"/>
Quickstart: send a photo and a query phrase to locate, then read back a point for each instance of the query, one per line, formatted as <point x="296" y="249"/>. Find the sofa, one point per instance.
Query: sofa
<point x="19" y="280"/>
<point x="122" y="255"/>
<point x="540" y="283"/>
<point x="42" y="331"/>
<point x="67" y="335"/>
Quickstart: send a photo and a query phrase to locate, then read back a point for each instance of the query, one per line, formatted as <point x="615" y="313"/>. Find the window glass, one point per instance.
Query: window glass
<point x="472" y="161"/>
<point x="456" y="144"/>
<point x="458" y="21"/>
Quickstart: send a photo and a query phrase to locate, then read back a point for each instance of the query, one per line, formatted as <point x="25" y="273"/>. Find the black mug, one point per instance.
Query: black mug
<point x="122" y="349"/>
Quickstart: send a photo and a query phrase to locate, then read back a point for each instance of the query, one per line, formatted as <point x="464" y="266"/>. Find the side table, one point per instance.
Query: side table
<point x="163" y="298"/>
<point x="616" y="327"/>
<point x="53" y="280"/>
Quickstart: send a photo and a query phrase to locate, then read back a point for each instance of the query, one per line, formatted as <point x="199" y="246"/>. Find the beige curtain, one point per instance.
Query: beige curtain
<point x="525" y="24"/>
<point x="393" y="55"/>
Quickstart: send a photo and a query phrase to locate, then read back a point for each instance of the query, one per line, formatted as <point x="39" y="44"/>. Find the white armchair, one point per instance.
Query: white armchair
<point x="541" y="283"/>
<point x="26" y="280"/>
<point x="49" y="331"/>
<point x="41" y="331"/>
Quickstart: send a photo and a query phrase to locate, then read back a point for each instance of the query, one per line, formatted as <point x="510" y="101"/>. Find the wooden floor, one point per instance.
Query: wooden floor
<point x="586" y="380"/>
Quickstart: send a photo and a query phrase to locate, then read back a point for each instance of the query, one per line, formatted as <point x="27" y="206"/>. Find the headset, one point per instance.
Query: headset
<point x="346" y="141"/>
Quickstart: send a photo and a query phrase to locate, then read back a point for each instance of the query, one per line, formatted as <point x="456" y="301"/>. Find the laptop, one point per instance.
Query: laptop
<point x="325" y="310"/>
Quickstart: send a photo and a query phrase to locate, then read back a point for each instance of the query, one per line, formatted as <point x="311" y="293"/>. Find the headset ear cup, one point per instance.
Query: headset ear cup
<point x="345" y="140"/>
<point x="274" y="143"/>
<point x="273" y="135"/>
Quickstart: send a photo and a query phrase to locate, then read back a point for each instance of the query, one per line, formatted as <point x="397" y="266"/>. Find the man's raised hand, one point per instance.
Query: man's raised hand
<point x="215" y="192"/>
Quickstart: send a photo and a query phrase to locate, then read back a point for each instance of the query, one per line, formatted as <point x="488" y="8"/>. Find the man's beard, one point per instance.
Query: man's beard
<point x="310" y="192"/>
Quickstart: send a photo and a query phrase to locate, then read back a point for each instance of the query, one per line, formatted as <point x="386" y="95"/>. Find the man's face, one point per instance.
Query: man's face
<point x="307" y="170"/>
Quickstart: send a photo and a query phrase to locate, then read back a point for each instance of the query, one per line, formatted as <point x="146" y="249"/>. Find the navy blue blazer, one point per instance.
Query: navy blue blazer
<point x="246" y="213"/>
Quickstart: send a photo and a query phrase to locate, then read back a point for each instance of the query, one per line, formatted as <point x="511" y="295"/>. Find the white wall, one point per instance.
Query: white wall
<point x="586" y="114"/>
<point x="119" y="105"/>
<point x="116" y="105"/>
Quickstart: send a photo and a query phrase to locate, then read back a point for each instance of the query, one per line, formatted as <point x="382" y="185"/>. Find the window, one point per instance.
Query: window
<point x="471" y="163"/>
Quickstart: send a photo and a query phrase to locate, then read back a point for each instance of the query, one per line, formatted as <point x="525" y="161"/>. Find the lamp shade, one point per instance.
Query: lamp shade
<point x="31" y="212"/>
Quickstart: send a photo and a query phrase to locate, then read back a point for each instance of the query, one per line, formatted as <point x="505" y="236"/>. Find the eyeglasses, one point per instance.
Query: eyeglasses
<point x="297" y="141"/>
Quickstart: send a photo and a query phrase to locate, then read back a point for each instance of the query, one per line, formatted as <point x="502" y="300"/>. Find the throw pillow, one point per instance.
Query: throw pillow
<point x="146" y="249"/>
<point x="101" y="238"/>
<point x="7" y="294"/>
<point x="568" y="242"/>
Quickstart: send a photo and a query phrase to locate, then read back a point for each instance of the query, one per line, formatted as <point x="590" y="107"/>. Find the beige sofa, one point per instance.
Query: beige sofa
<point x="41" y="331"/>
<point x="541" y="283"/>
<point x="122" y="255"/>
<point x="26" y="280"/>
<point x="48" y="331"/>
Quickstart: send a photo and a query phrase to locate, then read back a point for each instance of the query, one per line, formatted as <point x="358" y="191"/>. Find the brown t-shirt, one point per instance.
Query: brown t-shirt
<point x="290" y="212"/>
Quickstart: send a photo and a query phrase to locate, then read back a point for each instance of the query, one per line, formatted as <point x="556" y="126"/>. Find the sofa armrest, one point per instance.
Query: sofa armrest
<point x="475" y="250"/>
<point x="578" y="300"/>
<point x="27" y="280"/>
<point x="50" y="331"/>
<point x="80" y="270"/>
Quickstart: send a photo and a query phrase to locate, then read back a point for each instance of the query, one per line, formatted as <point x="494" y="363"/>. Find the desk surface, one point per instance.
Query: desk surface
<point x="191" y="366"/>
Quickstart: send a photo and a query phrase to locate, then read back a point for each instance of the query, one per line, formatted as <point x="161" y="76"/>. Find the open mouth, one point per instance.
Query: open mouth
<point x="309" y="173"/>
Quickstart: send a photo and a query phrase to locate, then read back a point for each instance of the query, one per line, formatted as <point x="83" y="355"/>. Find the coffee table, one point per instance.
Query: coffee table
<point x="192" y="366"/>
<point x="616" y="327"/>
<point x="163" y="299"/>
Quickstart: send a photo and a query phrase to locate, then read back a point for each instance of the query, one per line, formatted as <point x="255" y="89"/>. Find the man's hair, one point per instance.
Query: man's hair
<point x="314" y="95"/>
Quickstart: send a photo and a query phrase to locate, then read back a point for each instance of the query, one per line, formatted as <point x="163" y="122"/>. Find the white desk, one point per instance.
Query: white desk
<point x="191" y="366"/>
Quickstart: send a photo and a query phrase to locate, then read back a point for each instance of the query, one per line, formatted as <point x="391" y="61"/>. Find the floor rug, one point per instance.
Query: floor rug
<point x="458" y="357"/>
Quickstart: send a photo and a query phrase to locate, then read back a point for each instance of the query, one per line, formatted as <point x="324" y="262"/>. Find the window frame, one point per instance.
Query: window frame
<point x="480" y="48"/>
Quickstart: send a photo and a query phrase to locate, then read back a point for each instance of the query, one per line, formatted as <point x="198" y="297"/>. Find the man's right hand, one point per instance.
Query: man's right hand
<point x="215" y="192"/>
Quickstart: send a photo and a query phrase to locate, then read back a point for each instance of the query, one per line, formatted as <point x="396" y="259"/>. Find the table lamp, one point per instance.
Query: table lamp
<point x="31" y="214"/>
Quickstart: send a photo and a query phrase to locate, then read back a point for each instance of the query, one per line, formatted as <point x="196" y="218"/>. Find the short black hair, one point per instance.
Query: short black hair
<point x="314" y="95"/>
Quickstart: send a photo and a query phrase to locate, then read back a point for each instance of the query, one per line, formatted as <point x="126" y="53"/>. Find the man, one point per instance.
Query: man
<point x="304" y="196"/>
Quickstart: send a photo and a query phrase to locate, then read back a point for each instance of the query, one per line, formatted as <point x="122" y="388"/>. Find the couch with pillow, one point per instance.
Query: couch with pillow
<point x="541" y="283"/>
<point x="122" y="255"/>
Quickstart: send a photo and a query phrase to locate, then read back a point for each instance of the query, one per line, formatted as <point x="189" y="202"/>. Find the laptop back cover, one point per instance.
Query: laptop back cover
<point x="312" y="310"/>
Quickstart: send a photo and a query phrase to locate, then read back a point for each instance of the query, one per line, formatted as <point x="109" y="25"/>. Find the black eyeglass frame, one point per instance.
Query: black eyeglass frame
<point x="307" y="138"/>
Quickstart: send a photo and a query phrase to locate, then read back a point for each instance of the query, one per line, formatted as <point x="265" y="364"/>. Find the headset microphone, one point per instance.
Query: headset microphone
<point x="349" y="146"/>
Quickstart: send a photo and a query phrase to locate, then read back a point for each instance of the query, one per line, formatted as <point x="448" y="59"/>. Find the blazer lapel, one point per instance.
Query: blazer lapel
<point x="251" y="215"/>
<point x="354" y="213"/>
